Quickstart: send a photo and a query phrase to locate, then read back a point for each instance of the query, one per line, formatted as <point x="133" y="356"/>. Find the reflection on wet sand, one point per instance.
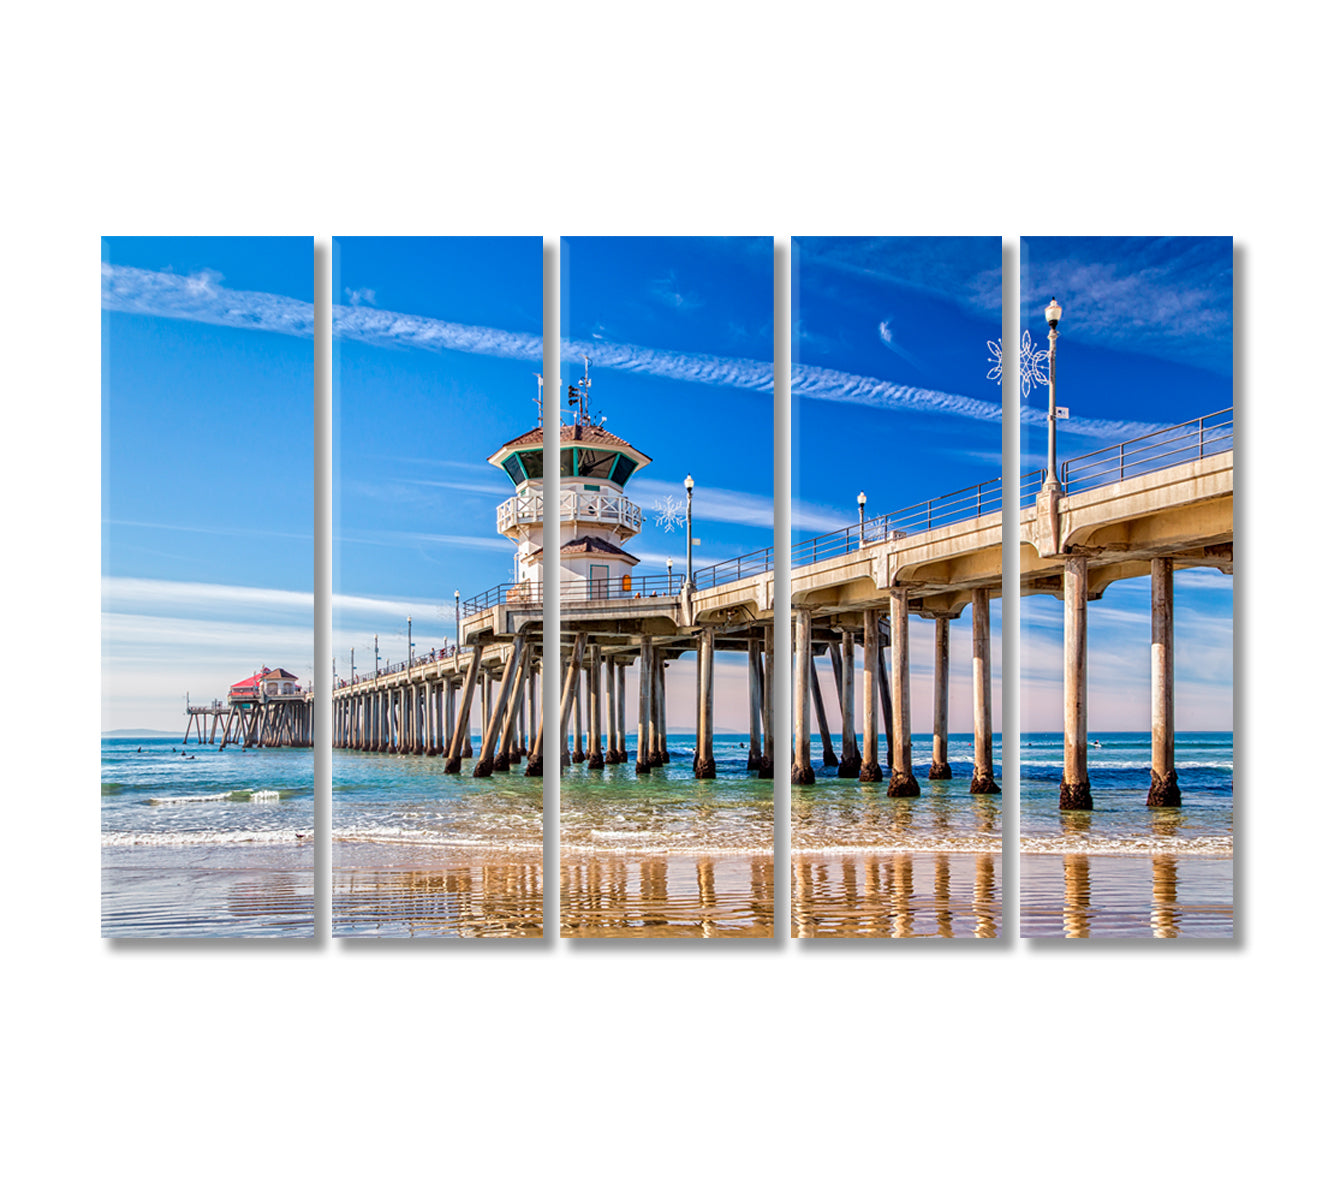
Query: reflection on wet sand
<point x="613" y="895"/>
<point x="872" y="895"/>
<point x="1162" y="895"/>
<point x="482" y="899"/>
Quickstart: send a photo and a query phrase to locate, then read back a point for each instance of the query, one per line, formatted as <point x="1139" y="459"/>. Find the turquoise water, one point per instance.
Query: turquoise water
<point x="198" y="843"/>
<point x="1121" y="823"/>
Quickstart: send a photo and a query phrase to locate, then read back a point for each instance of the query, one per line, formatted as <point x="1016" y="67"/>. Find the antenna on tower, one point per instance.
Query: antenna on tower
<point x="577" y="394"/>
<point x="538" y="376"/>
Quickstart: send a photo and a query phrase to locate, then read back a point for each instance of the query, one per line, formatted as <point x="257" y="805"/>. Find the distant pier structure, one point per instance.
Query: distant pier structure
<point x="268" y="708"/>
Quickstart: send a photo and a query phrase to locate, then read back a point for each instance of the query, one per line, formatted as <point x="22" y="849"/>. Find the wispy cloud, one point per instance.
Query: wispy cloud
<point x="1166" y="297"/>
<point x="129" y="289"/>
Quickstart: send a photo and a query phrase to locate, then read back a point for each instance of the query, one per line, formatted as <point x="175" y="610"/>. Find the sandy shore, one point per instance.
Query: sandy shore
<point x="627" y="895"/>
<point x="414" y="889"/>
<point x="895" y="894"/>
<point x="1123" y="896"/>
<point x="234" y="890"/>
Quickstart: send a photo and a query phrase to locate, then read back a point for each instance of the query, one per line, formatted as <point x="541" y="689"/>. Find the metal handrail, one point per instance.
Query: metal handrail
<point x="1191" y="441"/>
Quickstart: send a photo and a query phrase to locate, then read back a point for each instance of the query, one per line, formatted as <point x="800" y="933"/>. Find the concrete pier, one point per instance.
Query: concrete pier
<point x="940" y="715"/>
<point x="596" y="760"/>
<point x="802" y="772"/>
<point x="983" y="782"/>
<point x="705" y="767"/>
<point x="821" y="719"/>
<point x="850" y="765"/>
<point x="1163" y="789"/>
<point x="1075" y="793"/>
<point x="642" y="752"/>
<point x="903" y="782"/>
<point x="870" y="769"/>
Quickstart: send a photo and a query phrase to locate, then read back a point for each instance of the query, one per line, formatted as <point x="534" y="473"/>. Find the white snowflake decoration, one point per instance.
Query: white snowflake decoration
<point x="1032" y="363"/>
<point x="670" y="513"/>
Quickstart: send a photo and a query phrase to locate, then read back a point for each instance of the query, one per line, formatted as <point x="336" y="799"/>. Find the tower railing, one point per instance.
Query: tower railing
<point x="604" y="508"/>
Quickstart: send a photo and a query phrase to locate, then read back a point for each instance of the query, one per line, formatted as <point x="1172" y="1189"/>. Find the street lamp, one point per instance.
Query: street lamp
<point x="669" y="574"/>
<point x="690" y="531"/>
<point x="457" y="628"/>
<point x="377" y="656"/>
<point x="1053" y="319"/>
<point x="861" y="515"/>
<point x="409" y="641"/>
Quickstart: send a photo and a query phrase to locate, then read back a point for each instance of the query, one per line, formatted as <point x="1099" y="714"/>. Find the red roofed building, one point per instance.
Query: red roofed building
<point x="263" y="684"/>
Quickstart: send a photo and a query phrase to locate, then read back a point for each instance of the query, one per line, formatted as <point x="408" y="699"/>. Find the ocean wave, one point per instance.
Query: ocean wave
<point x="1209" y="845"/>
<point x="1127" y="764"/>
<point x="213" y="837"/>
<point x="253" y="796"/>
<point x="398" y="836"/>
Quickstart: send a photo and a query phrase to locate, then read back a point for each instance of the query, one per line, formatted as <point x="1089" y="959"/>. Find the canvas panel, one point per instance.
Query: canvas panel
<point x="1126" y="620"/>
<point x="666" y="581"/>
<point x="207" y="566"/>
<point x="437" y="821"/>
<point x="896" y="571"/>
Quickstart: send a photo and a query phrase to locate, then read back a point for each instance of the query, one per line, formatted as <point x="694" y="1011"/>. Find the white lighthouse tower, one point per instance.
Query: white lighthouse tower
<point x="596" y="518"/>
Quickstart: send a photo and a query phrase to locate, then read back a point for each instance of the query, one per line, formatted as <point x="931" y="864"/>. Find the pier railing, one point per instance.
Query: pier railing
<point x="757" y="562"/>
<point x="1170" y="447"/>
<point x="602" y="508"/>
<point x="961" y="505"/>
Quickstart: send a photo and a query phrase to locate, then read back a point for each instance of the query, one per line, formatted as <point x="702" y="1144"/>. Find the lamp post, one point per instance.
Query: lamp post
<point x="669" y="574"/>
<point x="690" y="532"/>
<point x="861" y="516"/>
<point x="409" y="642"/>
<point x="377" y="656"/>
<point x="1053" y="319"/>
<point x="458" y="627"/>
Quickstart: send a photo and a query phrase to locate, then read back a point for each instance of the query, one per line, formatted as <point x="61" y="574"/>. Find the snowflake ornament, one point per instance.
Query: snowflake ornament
<point x="669" y="512"/>
<point x="1032" y="363"/>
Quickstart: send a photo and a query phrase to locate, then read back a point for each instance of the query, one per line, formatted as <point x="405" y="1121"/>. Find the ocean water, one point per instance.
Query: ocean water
<point x="1124" y="869"/>
<point x="202" y="843"/>
<point x="1121" y="822"/>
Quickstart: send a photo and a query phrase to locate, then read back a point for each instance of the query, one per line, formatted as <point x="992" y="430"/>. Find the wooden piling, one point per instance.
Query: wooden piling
<point x="940" y="711"/>
<point x="983" y="782"/>
<point x="802" y="772"/>
<point x="705" y="768"/>
<point x="850" y="765"/>
<point x="1163" y="789"/>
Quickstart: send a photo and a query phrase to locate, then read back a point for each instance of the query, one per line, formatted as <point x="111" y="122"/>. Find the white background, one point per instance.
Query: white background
<point x="666" y="1070"/>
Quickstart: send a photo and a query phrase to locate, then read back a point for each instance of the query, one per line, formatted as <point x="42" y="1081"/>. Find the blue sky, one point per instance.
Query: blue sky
<point x="890" y="396"/>
<point x="437" y="341"/>
<point x="1145" y="339"/>
<point x="679" y="332"/>
<point x="207" y="468"/>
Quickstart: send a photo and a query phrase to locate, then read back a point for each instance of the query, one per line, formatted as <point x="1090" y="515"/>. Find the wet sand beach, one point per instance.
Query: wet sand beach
<point x="895" y="894"/>
<point x="680" y="895"/>
<point x="208" y="890"/>
<point x="411" y="889"/>
<point x="1159" y="895"/>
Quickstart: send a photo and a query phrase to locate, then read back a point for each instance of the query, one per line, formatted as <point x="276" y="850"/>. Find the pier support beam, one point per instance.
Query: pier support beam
<point x="821" y="719"/>
<point x="766" y="770"/>
<point x="642" y="766"/>
<point x="754" y="694"/>
<point x="940" y="719"/>
<point x="1075" y="793"/>
<point x="621" y="754"/>
<point x="567" y="694"/>
<point x="1163" y="789"/>
<point x="902" y="782"/>
<point x="578" y="756"/>
<point x="984" y="782"/>
<point x="654" y="708"/>
<point x="461" y="731"/>
<point x="664" y="755"/>
<point x="802" y="772"/>
<point x="596" y="761"/>
<point x="501" y="709"/>
<point x="850" y="765"/>
<point x="705" y="768"/>
<point x="870" y="772"/>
